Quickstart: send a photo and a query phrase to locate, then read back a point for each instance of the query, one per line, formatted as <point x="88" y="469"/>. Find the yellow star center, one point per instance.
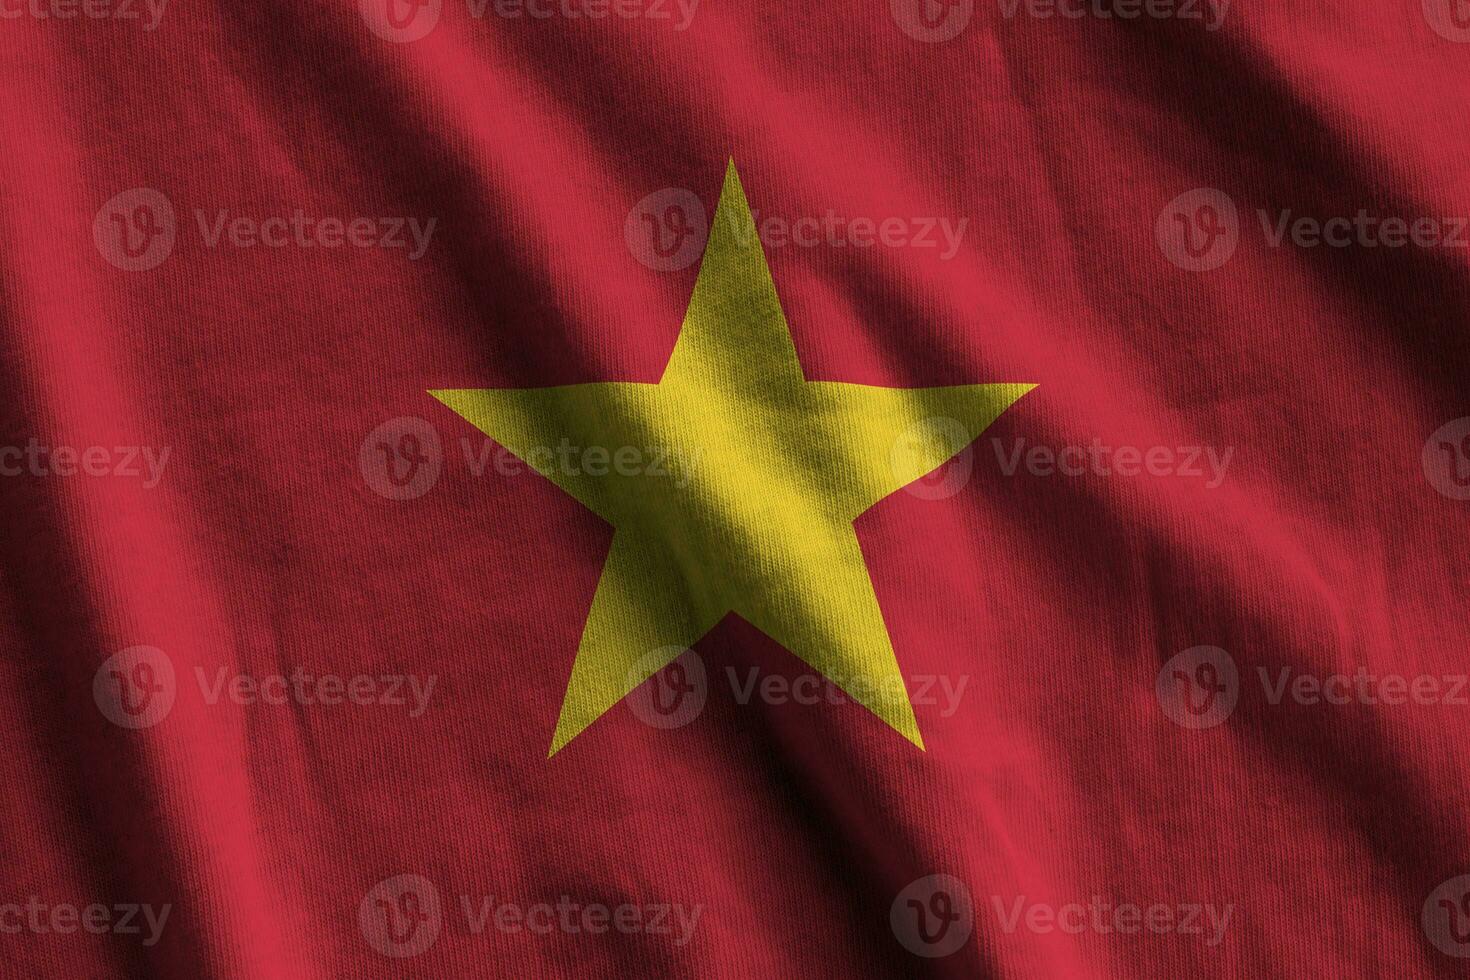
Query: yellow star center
<point x="753" y="512"/>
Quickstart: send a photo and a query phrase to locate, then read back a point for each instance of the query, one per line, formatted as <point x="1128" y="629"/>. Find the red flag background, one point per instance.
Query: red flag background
<point x="283" y="640"/>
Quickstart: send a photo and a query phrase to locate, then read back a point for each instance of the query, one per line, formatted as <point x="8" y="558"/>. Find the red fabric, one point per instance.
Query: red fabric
<point x="1334" y="542"/>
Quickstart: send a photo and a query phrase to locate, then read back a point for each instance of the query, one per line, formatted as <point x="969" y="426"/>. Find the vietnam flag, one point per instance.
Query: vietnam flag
<point x="727" y="488"/>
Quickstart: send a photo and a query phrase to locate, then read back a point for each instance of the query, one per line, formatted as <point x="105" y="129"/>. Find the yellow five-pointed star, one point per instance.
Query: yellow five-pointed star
<point x="754" y="514"/>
